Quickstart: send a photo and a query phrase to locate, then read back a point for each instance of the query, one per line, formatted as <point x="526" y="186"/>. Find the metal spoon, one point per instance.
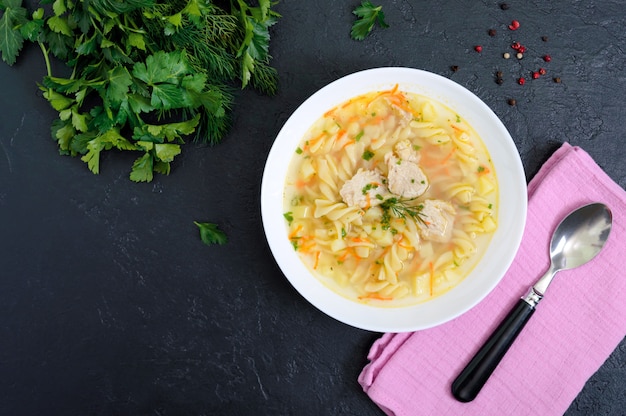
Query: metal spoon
<point x="577" y="239"/>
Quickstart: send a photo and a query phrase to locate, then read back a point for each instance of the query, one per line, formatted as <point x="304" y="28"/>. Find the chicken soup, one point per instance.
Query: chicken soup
<point x="390" y="198"/>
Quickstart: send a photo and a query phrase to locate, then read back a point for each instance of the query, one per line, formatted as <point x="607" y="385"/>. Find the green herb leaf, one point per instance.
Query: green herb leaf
<point x="142" y="169"/>
<point x="119" y="80"/>
<point x="63" y="133"/>
<point x="162" y="67"/>
<point x="137" y="40"/>
<point x="368" y="187"/>
<point x="211" y="234"/>
<point x="108" y="140"/>
<point x="11" y="40"/>
<point x="367" y="16"/>
<point x="165" y="152"/>
<point x="59" y="25"/>
<point x="79" y="120"/>
<point x="254" y="48"/>
<point x="59" y="7"/>
<point x="368" y="155"/>
<point x="58" y="101"/>
<point x="32" y="29"/>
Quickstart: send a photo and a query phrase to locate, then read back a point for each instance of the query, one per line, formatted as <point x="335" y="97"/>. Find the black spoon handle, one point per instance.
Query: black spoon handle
<point x="474" y="376"/>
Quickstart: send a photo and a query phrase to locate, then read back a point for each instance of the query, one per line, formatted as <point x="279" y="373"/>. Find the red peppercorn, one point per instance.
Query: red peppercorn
<point x="514" y="25"/>
<point x="516" y="45"/>
<point x="521" y="81"/>
<point x="547" y="58"/>
<point x="478" y="48"/>
<point x="542" y="71"/>
<point x="535" y="75"/>
<point x="522" y="49"/>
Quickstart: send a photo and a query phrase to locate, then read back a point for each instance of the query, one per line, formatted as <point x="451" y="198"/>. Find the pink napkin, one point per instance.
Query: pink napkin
<point x="577" y="325"/>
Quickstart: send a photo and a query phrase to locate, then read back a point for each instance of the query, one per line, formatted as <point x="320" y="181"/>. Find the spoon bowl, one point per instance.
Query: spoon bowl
<point x="578" y="238"/>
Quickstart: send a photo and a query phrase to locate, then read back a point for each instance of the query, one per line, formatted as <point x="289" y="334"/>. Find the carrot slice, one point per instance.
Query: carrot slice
<point x="448" y="156"/>
<point x="295" y="231"/>
<point x="317" y="259"/>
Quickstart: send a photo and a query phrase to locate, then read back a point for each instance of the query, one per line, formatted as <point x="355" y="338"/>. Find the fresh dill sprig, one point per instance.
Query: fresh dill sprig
<point x="401" y="208"/>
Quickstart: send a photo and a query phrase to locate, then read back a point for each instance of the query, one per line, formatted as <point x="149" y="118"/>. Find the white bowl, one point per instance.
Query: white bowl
<point x="511" y="205"/>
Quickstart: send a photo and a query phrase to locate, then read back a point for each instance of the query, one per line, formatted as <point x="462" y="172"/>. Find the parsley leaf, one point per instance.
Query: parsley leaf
<point x="254" y="49"/>
<point x="367" y="16"/>
<point x="211" y="234"/>
<point x="142" y="168"/>
<point x="11" y="40"/>
<point x="109" y="140"/>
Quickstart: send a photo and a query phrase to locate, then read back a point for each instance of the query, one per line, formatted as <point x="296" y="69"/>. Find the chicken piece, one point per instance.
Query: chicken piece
<point x="405" y="116"/>
<point x="405" y="178"/>
<point x="404" y="150"/>
<point x="365" y="189"/>
<point x="438" y="220"/>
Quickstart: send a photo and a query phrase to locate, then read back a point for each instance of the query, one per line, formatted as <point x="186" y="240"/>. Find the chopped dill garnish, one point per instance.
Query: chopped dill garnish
<point x="369" y="187"/>
<point x="368" y="155"/>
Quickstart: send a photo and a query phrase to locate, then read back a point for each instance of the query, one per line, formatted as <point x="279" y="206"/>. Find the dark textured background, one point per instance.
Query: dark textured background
<point x="110" y="304"/>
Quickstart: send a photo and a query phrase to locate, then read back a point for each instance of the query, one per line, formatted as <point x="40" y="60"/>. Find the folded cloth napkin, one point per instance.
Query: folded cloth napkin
<point x="577" y="325"/>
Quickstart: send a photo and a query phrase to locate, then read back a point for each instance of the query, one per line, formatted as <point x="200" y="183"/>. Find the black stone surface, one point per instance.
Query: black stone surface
<point x="110" y="304"/>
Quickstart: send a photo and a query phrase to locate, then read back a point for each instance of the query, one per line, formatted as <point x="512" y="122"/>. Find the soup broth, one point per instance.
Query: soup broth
<point x="390" y="198"/>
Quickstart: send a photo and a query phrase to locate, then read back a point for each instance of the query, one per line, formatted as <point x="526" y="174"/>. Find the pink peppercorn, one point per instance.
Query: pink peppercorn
<point x="478" y="48"/>
<point x="535" y="75"/>
<point x="518" y="47"/>
<point x="547" y="58"/>
<point x="542" y="71"/>
<point x="521" y="81"/>
<point x="514" y="25"/>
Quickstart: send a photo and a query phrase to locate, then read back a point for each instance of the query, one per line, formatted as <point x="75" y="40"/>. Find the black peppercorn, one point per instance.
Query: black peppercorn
<point x="492" y="32"/>
<point x="454" y="68"/>
<point x="511" y="101"/>
<point x="499" y="77"/>
<point x="504" y="6"/>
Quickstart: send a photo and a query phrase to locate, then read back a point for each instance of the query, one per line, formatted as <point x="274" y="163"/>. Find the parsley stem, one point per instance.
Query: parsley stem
<point x="46" y="58"/>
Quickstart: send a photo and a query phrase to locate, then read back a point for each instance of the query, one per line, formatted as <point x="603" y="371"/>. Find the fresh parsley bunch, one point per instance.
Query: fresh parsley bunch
<point x="145" y="74"/>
